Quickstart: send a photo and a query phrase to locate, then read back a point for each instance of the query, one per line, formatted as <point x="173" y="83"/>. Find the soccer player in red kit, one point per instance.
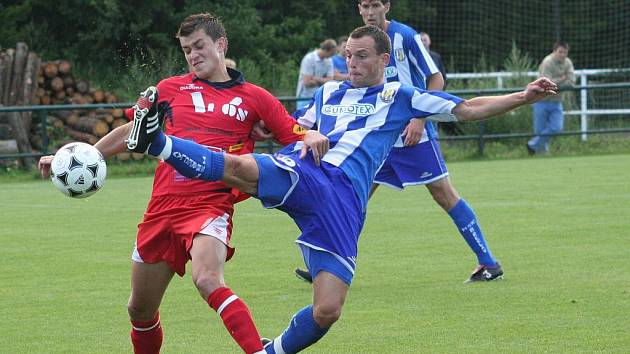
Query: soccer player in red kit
<point x="192" y="219"/>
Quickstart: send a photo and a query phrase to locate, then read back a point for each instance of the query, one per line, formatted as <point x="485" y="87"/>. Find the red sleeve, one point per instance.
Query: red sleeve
<point x="278" y="120"/>
<point x="129" y="114"/>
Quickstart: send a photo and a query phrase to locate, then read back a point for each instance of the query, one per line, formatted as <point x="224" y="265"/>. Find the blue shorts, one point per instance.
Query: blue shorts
<point x="317" y="261"/>
<point x="320" y="199"/>
<point x="407" y="166"/>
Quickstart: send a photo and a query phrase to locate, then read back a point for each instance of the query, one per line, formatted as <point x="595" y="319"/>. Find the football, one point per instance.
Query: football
<point x="78" y="170"/>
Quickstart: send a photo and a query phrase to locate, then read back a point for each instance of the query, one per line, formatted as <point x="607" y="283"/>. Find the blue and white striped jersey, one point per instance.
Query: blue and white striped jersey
<point x="363" y="124"/>
<point x="410" y="63"/>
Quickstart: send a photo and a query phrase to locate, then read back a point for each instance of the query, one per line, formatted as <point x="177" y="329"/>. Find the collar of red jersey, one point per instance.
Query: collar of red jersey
<point x="236" y="78"/>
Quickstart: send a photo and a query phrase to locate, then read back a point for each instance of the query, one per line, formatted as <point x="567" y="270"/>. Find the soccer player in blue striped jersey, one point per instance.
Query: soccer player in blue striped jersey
<point x="323" y="182"/>
<point x="415" y="162"/>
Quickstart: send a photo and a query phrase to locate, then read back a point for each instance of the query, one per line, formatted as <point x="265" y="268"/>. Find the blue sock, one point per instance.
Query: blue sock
<point x="301" y="333"/>
<point x="189" y="158"/>
<point x="158" y="144"/>
<point x="466" y="221"/>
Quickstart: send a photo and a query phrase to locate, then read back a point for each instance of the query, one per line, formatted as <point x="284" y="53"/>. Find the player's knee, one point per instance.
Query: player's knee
<point x="326" y="315"/>
<point x="241" y="172"/>
<point x="140" y="312"/>
<point x="238" y="165"/>
<point x="208" y="281"/>
<point x="444" y="194"/>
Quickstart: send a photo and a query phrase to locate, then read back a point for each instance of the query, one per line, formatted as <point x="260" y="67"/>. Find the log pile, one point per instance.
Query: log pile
<point x="26" y="80"/>
<point x="57" y="85"/>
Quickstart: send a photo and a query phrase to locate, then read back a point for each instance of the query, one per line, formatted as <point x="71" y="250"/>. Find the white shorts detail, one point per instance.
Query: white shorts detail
<point x="216" y="227"/>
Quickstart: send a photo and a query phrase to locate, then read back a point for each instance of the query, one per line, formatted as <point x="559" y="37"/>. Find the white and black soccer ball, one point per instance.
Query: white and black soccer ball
<point x="78" y="170"/>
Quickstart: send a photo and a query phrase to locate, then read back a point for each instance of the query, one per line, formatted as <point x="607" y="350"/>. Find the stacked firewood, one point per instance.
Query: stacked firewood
<point x="57" y="85"/>
<point x="26" y="80"/>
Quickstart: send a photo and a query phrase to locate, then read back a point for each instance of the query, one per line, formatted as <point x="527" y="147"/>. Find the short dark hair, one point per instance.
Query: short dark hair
<point x="211" y="24"/>
<point x="342" y="39"/>
<point x="562" y="44"/>
<point x="328" y="44"/>
<point x="381" y="39"/>
<point x="384" y="2"/>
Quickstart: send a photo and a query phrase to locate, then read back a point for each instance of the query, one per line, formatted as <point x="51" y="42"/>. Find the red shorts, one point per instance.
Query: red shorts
<point x="171" y="222"/>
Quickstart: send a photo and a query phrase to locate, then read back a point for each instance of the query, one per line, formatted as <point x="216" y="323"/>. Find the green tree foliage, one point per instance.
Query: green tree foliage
<point x="107" y="37"/>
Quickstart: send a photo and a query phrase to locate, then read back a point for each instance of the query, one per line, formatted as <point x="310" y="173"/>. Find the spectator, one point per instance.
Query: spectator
<point x="437" y="59"/>
<point x="339" y="60"/>
<point x="316" y="69"/>
<point x="548" y="113"/>
<point x="450" y="128"/>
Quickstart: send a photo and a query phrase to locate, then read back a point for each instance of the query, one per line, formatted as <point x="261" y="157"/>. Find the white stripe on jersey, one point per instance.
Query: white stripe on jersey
<point x="350" y="140"/>
<point x="361" y="141"/>
<point x="402" y="67"/>
<point x="431" y="103"/>
<point x="310" y="116"/>
<point x="350" y="97"/>
<point x="427" y="58"/>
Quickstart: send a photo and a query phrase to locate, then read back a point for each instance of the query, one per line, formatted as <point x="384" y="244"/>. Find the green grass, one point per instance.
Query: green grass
<point x="558" y="225"/>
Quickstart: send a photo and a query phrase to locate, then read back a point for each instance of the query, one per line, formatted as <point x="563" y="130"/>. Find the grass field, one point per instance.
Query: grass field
<point x="560" y="227"/>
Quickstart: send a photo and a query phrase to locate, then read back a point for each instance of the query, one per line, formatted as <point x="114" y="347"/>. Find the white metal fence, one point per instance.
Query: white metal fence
<point x="582" y="79"/>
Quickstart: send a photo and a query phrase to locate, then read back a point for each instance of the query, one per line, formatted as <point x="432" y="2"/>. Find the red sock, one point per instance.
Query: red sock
<point x="146" y="337"/>
<point x="236" y="318"/>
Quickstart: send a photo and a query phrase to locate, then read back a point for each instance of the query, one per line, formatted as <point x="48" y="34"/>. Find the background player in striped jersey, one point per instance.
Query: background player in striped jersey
<point x="416" y="157"/>
<point x="191" y="219"/>
<point x="412" y="163"/>
<point x="324" y="182"/>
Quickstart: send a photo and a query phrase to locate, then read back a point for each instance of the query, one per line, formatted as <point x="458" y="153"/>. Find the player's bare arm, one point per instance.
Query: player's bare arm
<point x="111" y="144"/>
<point x="435" y="82"/>
<point x="479" y="108"/>
<point x="114" y="142"/>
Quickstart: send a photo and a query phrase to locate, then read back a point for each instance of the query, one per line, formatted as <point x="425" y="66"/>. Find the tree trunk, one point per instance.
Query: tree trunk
<point x="15" y="98"/>
<point x="30" y="86"/>
<point x="6" y="74"/>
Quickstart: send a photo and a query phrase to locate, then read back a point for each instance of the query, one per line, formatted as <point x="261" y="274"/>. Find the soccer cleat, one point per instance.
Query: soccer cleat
<point x="485" y="273"/>
<point x="146" y="121"/>
<point x="303" y="275"/>
<point x="265" y="341"/>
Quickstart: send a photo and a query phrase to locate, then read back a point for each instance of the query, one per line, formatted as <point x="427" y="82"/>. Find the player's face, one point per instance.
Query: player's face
<point x="365" y="66"/>
<point x="204" y="56"/>
<point x="373" y="12"/>
<point x="426" y="40"/>
<point x="560" y="53"/>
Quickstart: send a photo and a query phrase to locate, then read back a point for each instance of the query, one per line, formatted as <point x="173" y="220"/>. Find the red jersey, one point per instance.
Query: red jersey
<point x="219" y="115"/>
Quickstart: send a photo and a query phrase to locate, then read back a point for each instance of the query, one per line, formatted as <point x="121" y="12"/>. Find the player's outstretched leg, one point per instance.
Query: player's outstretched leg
<point x="190" y="159"/>
<point x="302" y="332"/>
<point x="146" y="121"/>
